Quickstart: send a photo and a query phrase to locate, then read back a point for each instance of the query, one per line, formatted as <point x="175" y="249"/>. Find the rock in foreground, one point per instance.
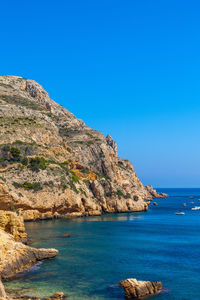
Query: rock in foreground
<point x="15" y="256"/>
<point x="136" y="289"/>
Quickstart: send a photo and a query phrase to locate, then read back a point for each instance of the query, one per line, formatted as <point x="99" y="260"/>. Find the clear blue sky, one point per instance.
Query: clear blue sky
<point x="127" y="68"/>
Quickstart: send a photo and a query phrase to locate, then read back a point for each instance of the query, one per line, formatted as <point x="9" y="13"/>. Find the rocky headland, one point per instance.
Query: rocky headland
<point x="53" y="165"/>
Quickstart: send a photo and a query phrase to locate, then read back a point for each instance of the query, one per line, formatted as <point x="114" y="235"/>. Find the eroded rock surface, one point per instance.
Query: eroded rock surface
<point x="136" y="289"/>
<point x="11" y="223"/>
<point x="15" y="256"/>
<point x="53" y="165"/>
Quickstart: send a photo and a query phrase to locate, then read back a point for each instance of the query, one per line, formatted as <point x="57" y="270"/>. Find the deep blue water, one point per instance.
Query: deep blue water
<point x="153" y="245"/>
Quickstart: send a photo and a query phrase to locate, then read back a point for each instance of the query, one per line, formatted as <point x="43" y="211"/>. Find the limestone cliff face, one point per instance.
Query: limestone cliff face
<point x="52" y="164"/>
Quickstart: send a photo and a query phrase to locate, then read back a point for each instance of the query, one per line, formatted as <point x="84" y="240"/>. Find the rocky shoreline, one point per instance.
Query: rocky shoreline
<point x="52" y="165"/>
<point x="15" y="256"/>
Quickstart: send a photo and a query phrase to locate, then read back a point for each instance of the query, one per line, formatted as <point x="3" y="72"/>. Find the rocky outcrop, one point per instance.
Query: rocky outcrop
<point x="15" y="256"/>
<point x="13" y="224"/>
<point x="153" y="192"/>
<point x="136" y="289"/>
<point x="112" y="143"/>
<point x="53" y="165"/>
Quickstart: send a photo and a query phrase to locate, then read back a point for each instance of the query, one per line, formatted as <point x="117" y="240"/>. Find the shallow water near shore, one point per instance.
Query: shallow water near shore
<point x="153" y="245"/>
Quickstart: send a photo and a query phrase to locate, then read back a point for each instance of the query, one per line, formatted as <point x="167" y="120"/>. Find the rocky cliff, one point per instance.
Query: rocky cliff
<point x="52" y="164"/>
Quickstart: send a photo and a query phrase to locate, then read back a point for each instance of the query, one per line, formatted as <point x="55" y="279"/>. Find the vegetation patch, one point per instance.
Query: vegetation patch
<point x="16" y="153"/>
<point x="73" y="187"/>
<point x="38" y="163"/>
<point x="17" y="100"/>
<point x="127" y="196"/>
<point x="82" y="192"/>
<point x="87" y="182"/>
<point x="120" y="164"/>
<point x="75" y="177"/>
<point x="36" y="186"/>
<point x="3" y="179"/>
<point x="135" y="198"/>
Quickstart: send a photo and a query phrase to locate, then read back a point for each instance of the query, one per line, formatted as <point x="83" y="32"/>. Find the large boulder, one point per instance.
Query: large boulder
<point x="136" y="289"/>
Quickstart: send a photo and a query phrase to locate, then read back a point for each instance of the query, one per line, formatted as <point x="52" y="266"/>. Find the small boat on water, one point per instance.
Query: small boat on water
<point x="180" y="213"/>
<point x="192" y="202"/>
<point x="195" y="208"/>
<point x="191" y="197"/>
<point x="184" y="204"/>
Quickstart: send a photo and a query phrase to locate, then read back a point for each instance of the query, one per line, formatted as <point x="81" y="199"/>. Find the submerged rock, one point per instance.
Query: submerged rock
<point x="136" y="289"/>
<point x="67" y="235"/>
<point x="58" y="296"/>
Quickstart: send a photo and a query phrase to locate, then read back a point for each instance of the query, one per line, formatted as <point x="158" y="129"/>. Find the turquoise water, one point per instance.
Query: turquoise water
<point x="153" y="245"/>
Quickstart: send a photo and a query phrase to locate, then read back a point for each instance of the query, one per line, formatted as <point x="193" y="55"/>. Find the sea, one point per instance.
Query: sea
<point x="156" y="245"/>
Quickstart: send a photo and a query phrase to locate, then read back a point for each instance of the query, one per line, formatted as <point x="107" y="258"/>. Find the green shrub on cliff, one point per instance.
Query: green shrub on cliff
<point x="24" y="161"/>
<point x="73" y="187"/>
<point x="75" y="177"/>
<point x="119" y="193"/>
<point x="69" y="149"/>
<point x="16" y="153"/>
<point x="36" y="186"/>
<point x="36" y="164"/>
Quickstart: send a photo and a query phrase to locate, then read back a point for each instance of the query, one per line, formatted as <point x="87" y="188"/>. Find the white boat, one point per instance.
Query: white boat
<point x="180" y="213"/>
<point x="192" y="202"/>
<point x="195" y="208"/>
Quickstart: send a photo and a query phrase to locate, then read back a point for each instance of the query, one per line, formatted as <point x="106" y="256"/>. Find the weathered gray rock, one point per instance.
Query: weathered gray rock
<point x="112" y="143"/>
<point x="153" y="192"/>
<point x="136" y="289"/>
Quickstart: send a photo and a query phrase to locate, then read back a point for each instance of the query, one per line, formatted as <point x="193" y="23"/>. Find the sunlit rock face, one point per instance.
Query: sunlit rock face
<point x="15" y="256"/>
<point x="53" y="165"/>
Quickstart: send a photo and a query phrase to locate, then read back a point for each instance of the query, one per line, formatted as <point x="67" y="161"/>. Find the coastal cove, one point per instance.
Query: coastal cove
<point x="102" y="250"/>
